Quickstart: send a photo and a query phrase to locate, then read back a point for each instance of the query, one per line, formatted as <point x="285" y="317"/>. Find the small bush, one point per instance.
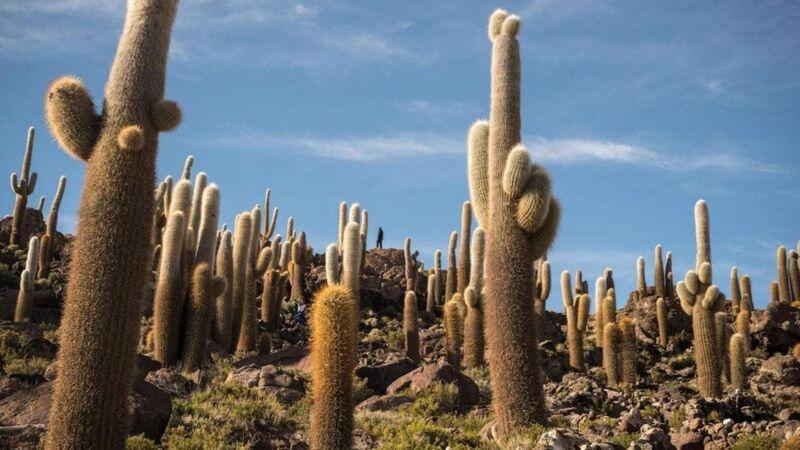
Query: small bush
<point x="624" y="439"/>
<point x="677" y="418"/>
<point x="760" y="441"/>
<point x="436" y="400"/>
<point x="139" y="442"/>
<point x="682" y="361"/>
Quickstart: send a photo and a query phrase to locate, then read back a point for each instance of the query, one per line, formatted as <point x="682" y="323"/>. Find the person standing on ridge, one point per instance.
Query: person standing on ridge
<point x="379" y="243"/>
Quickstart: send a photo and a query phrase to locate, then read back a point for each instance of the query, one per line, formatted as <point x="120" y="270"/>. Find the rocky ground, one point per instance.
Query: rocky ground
<point x="262" y="401"/>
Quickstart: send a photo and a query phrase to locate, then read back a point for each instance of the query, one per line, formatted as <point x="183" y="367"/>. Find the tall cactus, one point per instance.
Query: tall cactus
<point x="513" y="202"/>
<point x="473" y="329"/>
<point x="269" y="224"/>
<point x="794" y="275"/>
<point x="298" y="272"/>
<point x="200" y="182"/>
<point x="629" y="352"/>
<point x="100" y="324"/>
<point x="437" y="274"/>
<point x="723" y="337"/>
<point x="701" y="299"/>
<point x="334" y="346"/>
<point x="342" y="223"/>
<point x="743" y="325"/>
<point x="24" y="308"/>
<point x="784" y="293"/>
<point x="464" y="247"/>
<point x="410" y="267"/>
<point x="351" y="260"/>
<point x="52" y="228"/>
<point x="736" y="293"/>
<point x="658" y="272"/>
<point x="577" y="312"/>
<point x="450" y="284"/>
<point x="23" y="186"/>
<point x="248" y="332"/>
<point x="641" y="281"/>
<point x="410" y="328"/>
<point x="453" y="334"/>
<point x="430" y="298"/>
<point x="206" y="232"/>
<point x="168" y="300"/>
<point x="612" y="355"/>
<point x="669" y="280"/>
<point x="661" y="318"/>
<point x="746" y="286"/>
<point x="223" y="309"/>
<point x="241" y="261"/>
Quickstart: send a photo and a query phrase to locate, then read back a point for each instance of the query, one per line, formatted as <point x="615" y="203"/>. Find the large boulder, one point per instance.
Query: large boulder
<point x="776" y="328"/>
<point x="380" y="376"/>
<point x="643" y="312"/>
<point x="560" y="439"/>
<point x="782" y="369"/>
<point x="441" y="372"/>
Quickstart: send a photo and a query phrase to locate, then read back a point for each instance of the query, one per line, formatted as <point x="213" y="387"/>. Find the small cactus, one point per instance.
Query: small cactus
<point x="430" y="298"/>
<point x="746" y="286"/>
<point x="24" y="309"/>
<point x="23" y="186"/>
<point x="661" y="318"/>
<point x="410" y="266"/>
<point x="452" y="327"/>
<point x="736" y="293"/>
<point x="223" y="309"/>
<point x="784" y="293"/>
<point x="629" y="353"/>
<point x="269" y="224"/>
<point x="794" y="275"/>
<point x="351" y="260"/>
<point x="743" y="326"/>
<point x="738" y="352"/>
<point x="334" y="357"/>
<point x="52" y="227"/>
<point x="599" y="298"/>
<point x="332" y="266"/>
<point x="186" y="173"/>
<point x="205" y="288"/>
<point x="195" y="212"/>
<point x="669" y="285"/>
<point x="342" y="223"/>
<point x="410" y="328"/>
<point x="450" y="284"/>
<point x="658" y="273"/>
<point x="774" y="292"/>
<point x="541" y="293"/>
<point x="612" y="340"/>
<point x="463" y="271"/>
<point x="473" y="329"/>
<point x="641" y="282"/>
<point x="437" y="274"/>
<point x="723" y="338"/>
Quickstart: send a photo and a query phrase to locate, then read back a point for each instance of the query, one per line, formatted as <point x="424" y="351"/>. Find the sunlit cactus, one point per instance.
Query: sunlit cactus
<point x="452" y="327"/>
<point x="629" y="353"/>
<point x="577" y="312"/>
<point x="410" y="327"/>
<point x="641" y="282"/>
<point x="738" y="352"/>
<point x="658" y="272"/>
<point x="663" y="326"/>
<point x="450" y="283"/>
<point x="22" y="185"/>
<point x="473" y="329"/>
<point x="463" y="272"/>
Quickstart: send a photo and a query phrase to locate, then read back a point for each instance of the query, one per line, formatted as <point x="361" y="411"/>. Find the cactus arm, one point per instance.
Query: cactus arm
<point x="17" y="185"/>
<point x="166" y="115"/>
<point x="71" y="117"/>
<point x="478" y="167"/>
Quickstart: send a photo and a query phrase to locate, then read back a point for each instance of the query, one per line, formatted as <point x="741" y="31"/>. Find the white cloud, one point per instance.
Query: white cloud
<point x="437" y="110"/>
<point x="714" y="85"/>
<point x="550" y="151"/>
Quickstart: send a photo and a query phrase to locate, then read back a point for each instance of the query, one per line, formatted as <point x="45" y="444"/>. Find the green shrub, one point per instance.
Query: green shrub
<point x="139" y="442"/>
<point x="682" y="361"/>
<point x="759" y="441"/>
<point x="624" y="439"/>
<point x="677" y="418"/>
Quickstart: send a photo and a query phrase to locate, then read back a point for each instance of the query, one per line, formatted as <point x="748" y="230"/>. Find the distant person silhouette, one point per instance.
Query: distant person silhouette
<point x="379" y="244"/>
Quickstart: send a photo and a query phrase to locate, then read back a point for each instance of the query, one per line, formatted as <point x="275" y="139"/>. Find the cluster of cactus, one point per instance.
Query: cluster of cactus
<point x="787" y="287"/>
<point x="577" y="311"/>
<point x="541" y="291"/>
<point x="513" y="202"/>
<point x="619" y="344"/>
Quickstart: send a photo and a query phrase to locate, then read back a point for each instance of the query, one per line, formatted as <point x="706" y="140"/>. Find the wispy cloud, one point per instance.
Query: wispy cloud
<point x="386" y="147"/>
<point x="714" y="85"/>
<point x="438" y="110"/>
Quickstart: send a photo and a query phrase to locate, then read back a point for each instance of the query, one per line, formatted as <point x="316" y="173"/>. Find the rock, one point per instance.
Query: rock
<point x="170" y="381"/>
<point x="560" y="439"/>
<point x="630" y="421"/>
<point x="423" y="377"/>
<point x="293" y="357"/>
<point x="33" y="224"/>
<point x="651" y="438"/>
<point x="777" y="328"/>
<point x="687" y="441"/>
<point x="383" y="402"/>
<point x="150" y="408"/>
<point x="379" y="377"/>
<point x="22" y="437"/>
<point x="643" y="313"/>
<point x="287" y="387"/>
<point x="783" y="369"/>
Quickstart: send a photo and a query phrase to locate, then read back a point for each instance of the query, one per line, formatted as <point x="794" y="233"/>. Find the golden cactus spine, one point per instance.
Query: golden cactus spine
<point x="463" y="271"/>
<point x="410" y="328"/>
<point x="100" y="322"/>
<point x="23" y="186"/>
<point x="474" y="342"/>
<point x="738" y="352"/>
<point x="577" y="312"/>
<point x="599" y="298"/>
<point x="612" y="341"/>
<point x="628" y="357"/>
<point x="334" y="357"/>
<point x="241" y="262"/>
<point x="661" y="318"/>
<point x="701" y="299"/>
<point x="24" y="307"/>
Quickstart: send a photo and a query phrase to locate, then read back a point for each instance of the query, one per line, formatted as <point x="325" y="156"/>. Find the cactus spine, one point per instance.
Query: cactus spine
<point x="736" y="293"/>
<point x="641" y="282"/>
<point x="223" y="310"/>
<point x="463" y="271"/>
<point x="241" y="253"/>
<point x="701" y="299"/>
<point x="410" y="330"/>
<point x="723" y="337"/>
<point x="661" y="318"/>
<point x="411" y="273"/>
<point x="46" y="249"/>
<point x="513" y="203"/>
<point x="784" y="294"/>
<point x="658" y="272"/>
<point x="450" y="283"/>
<point x="334" y="357"/>
<point x="437" y="274"/>
<point x="24" y="308"/>
<point x="23" y="186"/>
<point x="794" y="275"/>
<point x="100" y="324"/>
<point x="599" y="298"/>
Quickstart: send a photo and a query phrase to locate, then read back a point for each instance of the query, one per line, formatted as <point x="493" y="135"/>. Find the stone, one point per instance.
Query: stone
<point x="560" y="439"/>
<point x="383" y="402"/>
<point x="380" y="376"/>
<point x="687" y="440"/>
<point x="423" y="377"/>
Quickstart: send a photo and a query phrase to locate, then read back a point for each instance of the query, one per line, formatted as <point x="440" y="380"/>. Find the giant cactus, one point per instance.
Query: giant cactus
<point x="784" y="293"/>
<point x="513" y="202"/>
<point x="701" y="299"/>
<point x="464" y="247"/>
<point x="577" y="312"/>
<point x="23" y="186"/>
<point x="334" y="356"/>
<point x="100" y="324"/>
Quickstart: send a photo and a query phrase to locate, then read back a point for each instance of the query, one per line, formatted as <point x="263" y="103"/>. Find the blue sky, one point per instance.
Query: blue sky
<point x="638" y="109"/>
